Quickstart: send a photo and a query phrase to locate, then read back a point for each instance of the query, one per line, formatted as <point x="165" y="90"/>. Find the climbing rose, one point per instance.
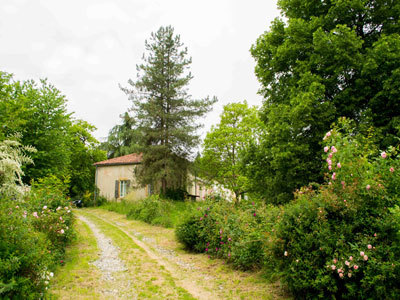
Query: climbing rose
<point x="347" y="263"/>
<point x="330" y="168"/>
<point x="355" y="267"/>
<point x="62" y="231"/>
<point x="326" y="149"/>
<point x="365" y="257"/>
<point x="341" y="275"/>
<point x="383" y="154"/>
<point x="369" y="246"/>
<point x="333" y="176"/>
<point x="330" y="155"/>
<point x="339" y="165"/>
<point x="333" y="267"/>
<point x="334" y="261"/>
<point x="392" y="169"/>
<point x="329" y="161"/>
<point x="334" y="150"/>
<point x="362" y="253"/>
<point x="45" y="207"/>
<point x="351" y="257"/>
<point x="368" y="187"/>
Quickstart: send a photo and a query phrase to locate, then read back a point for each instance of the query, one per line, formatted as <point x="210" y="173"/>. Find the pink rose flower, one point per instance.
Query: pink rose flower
<point x="369" y="246"/>
<point x="334" y="150"/>
<point x="355" y="267"/>
<point x="333" y="176"/>
<point x="368" y="187"/>
<point x="341" y="275"/>
<point x="334" y="260"/>
<point x="362" y="253"/>
<point x="326" y="149"/>
<point x="365" y="257"/>
<point x="391" y="169"/>
<point x="330" y="155"/>
<point x="347" y="263"/>
<point x="333" y="267"/>
<point x="351" y="257"/>
<point x="330" y="168"/>
<point x="285" y="253"/>
<point x="383" y="154"/>
<point x="339" y="165"/>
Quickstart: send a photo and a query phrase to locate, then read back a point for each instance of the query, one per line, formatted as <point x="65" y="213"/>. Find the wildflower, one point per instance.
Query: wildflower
<point x="17" y="206"/>
<point x="285" y="253"/>
<point x="334" y="150"/>
<point x="61" y="218"/>
<point x="369" y="246"/>
<point x="339" y="165"/>
<point x="51" y="274"/>
<point x="365" y="257"/>
<point x="329" y="161"/>
<point x="201" y="218"/>
<point x="333" y="176"/>
<point x="362" y="253"/>
<point x="35" y="215"/>
<point x="355" y="267"/>
<point x="368" y="187"/>
<point x="333" y="267"/>
<point x="58" y="208"/>
<point x="229" y="255"/>
<point x="391" y="169"/>
<point x="216" y="249"/>
<point x="68" y="211"/>
<point x="254" y="214"/>
<point x="229" y="239"/>
<point x="44" y="207"/>
<point x="252" y="203"/>
<point x="206" y="249"/>
<point x="220" y="231"/>
<point x="329" y="183"/>
<point x="383" y="154"/>
<point x="62" y="231"/>
<point x="297" y="260"/>
<point x="326" y="149"/>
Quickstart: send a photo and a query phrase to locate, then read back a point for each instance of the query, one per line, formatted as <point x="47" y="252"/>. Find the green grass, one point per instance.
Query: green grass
<point x="77" y="278"/>
<point x="170" y="214"/>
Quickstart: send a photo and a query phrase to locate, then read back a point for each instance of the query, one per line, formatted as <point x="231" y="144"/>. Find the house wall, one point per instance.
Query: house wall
<point x="107" y="175"/>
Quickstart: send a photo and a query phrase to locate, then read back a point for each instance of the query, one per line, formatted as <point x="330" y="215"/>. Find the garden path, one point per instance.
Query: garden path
<point x="146" y="262"/>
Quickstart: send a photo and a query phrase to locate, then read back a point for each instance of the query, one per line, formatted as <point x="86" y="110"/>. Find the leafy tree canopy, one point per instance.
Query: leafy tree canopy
<point x="328" y="59"/>
<point x="224" y="143"/>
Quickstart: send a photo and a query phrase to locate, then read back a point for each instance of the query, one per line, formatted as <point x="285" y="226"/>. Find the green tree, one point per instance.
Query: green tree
<point x="122" y="139"/>
<point x="165" y="113"/>
<point x="328" y="59"/>
<point x="84" y="152"/>
<point x="224" y="143"/>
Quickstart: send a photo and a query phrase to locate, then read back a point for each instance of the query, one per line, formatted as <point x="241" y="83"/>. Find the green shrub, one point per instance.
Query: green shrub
<point x="25" y="257"/>
<point x="342" y="241"/>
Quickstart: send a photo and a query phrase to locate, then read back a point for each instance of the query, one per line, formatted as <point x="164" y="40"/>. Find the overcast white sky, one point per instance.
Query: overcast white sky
<point x="87" y="47"/>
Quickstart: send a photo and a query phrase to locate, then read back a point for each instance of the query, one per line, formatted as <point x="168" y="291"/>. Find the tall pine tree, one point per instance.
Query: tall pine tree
<point x="165" y="113"/>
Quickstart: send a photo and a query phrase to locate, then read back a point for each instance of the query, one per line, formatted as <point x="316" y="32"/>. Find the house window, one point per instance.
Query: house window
<point x="123" y="188"/>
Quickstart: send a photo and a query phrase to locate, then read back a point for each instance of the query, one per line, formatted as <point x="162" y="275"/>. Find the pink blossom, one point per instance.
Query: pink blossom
<point x="333" y="267"/>
<point x="62" y="231"/>
<point x="201" y="218"/>
<point x="254" y="214"/>
<point x="326" y="149"/>
<point x="329" y="161"/>
<point x="391" y="169"/>
<point x="383" y="154"/>
<point x="347" y="263"/>
<point x="206" y="249"/>
<point x="355" y="267"/>
<point x="341" y="275"/>
<point x="330" y="168"/>
<point x="362" y="253"/>
<point x="60" y="218"/>
<point x="17" y="206"/>
<point x="365" y="257"/>
<point x="329" y="183"/>
<point x="334" y="260"/>
<point x="351" y="257"/>
<point x="229" y="239"/>
<point x="285" y="253"/>
<point x="368" y="187"/>
<point x="340" y="270"/>
<point x="374" y="234"/>
<point x="220" y="231"/>
<point x="339" y="165"/>
<point x="369" y="246"/>
<point x="330" y="155"/>
<point x="35" y="214"/>
<point x="342" y="182"/>
<point x="334" y="150"/>
<point x="45" y="207"/>
<point x="333" y="176"/>
<point x="229" y="255"/>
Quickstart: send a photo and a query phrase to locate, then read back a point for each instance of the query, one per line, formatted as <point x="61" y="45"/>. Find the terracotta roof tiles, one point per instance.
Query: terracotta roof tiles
<point x="129" y="159"/>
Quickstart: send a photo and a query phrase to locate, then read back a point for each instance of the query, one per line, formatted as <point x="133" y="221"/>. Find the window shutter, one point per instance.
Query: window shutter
<point x="116" y="189"/>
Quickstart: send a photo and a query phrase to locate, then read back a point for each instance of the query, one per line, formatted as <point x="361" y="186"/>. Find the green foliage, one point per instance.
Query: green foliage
<point x="65" y="147"/>
<point x="342" y="241"/>
<point x="165" y="114"/>
<point x="221" y="157"/>
<point x="326" y="60"/>
<point x="34" y="231"/>
<point x="233" y="232"/>
<point x="123" y="139"/>
<point x="12" y="156"/>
